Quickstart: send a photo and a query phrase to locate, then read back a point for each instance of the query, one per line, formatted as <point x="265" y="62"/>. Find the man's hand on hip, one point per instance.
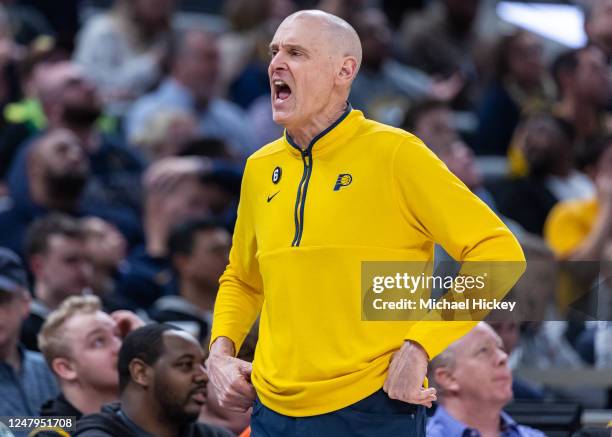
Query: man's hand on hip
<point x="407" y="371"/>
<point x="230" y="377"/>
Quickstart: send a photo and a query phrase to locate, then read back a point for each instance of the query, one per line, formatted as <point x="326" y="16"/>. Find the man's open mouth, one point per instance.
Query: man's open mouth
<point x="282" y="91"/>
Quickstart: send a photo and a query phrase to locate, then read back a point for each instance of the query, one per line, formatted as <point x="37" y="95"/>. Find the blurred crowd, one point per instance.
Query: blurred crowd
<point x="124" y="130"/>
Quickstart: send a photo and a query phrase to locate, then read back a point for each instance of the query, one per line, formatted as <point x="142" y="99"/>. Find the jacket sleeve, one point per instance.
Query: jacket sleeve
<point x="240" y="295"/>
<point x="438" y="204"/>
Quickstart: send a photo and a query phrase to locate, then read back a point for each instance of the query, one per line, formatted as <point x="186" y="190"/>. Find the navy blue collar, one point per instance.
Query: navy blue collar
<point x="290" y="140"/>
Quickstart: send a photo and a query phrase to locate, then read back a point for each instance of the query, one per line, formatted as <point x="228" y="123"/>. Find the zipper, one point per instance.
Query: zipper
<point x="300" y="200"/>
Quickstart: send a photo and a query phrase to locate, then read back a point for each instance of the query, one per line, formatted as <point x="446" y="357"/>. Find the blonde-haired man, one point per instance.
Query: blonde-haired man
<point x="80" y="343"/>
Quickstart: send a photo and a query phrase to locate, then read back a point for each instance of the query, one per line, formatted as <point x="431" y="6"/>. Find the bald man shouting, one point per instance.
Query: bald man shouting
<point x="335" y="190"/>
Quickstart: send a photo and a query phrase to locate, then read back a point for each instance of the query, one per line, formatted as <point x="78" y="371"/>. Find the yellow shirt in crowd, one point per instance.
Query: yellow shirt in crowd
<point x="569" y="224"/>
<point x="362" y="191"/>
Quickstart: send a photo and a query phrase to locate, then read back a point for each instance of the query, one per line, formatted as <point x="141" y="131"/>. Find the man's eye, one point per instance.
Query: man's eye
<point x="99" y="342"/>
<point x="187" y="365"/>
<point x="295" y="53"/>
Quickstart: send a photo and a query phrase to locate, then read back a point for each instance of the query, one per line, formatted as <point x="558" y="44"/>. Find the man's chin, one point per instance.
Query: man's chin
<point x="192" y="412"/>
<point x="282" y="118"/>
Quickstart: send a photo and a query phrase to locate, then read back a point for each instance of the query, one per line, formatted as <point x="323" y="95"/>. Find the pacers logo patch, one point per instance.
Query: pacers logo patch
<point x="344" y="180"/>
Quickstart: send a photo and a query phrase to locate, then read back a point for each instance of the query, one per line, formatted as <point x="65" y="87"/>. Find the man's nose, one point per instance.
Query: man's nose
<point x="502" y="357"/>
<point x="200" y="374"/>
<point x="277" y="62"/>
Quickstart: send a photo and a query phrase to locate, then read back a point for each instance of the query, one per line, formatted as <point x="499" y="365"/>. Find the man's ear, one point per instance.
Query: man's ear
<point x="140" y="372"/>
<point x="348" y="70"/>
<point x="445" y="379"/>
<point x="64" y="369"/>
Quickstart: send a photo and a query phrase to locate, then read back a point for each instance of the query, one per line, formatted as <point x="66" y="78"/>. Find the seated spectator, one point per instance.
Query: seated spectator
<point x="52" y="177"/>
<point x="70" y="100"/>
<point x="81" y="344"/>
<point x="191" y="86"/>
<point x="385" y="89"/>
<point x="474" y="384"/>
<point x="148" y="274"/>
<point x="122" y="49"/>
<point x="25" y="380"/>
<point x="579" y="230"/>
<point x="56" y="255"/>
<point x="199" y="251"/>
<point x="162" y="384"/>
<point x="551" y="175"/>
<point x="585" y="89"/>
<point x="518" y="87"/>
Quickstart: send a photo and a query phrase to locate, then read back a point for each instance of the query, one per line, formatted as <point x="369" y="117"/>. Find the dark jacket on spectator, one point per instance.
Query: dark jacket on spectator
<point x="112" y="422"/>
<point x="60" y="406"/>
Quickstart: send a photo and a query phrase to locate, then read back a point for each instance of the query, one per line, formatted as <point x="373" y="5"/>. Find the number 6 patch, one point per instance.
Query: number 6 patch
<point x="276" y="175"/>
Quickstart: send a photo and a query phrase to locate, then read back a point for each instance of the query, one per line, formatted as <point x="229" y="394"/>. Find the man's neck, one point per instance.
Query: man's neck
<point x="304" y="134"/>
<point x="484" y="417"/>
<point x="88" y="400"/>
<point x="148" y="418"/>
<point x="198" y="295"/>
<point x="9" y="353"/>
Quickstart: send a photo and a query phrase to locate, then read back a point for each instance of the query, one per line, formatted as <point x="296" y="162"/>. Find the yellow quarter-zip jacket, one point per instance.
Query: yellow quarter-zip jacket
<point x="361" y="191"/>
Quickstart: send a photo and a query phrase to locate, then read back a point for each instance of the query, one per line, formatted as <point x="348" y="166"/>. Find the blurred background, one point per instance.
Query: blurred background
<point x="125" y="126"/>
